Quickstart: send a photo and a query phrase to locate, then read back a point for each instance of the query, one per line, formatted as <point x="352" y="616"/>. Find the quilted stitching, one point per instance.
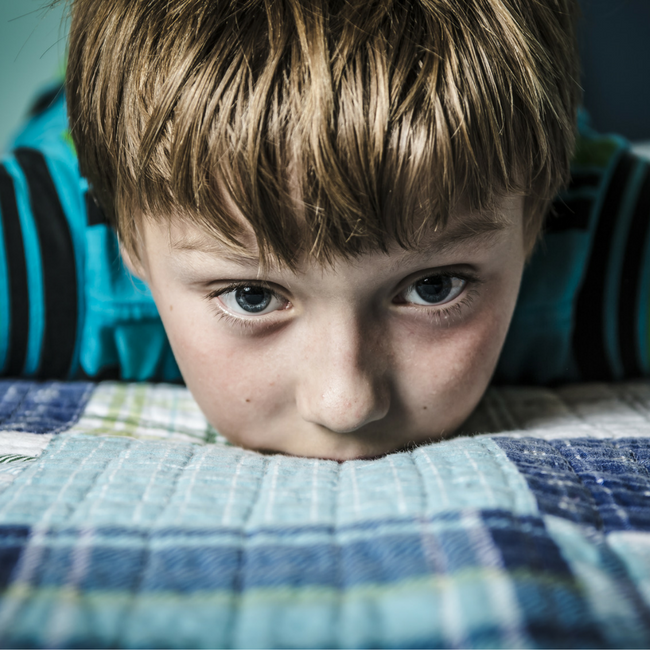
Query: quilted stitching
<point x="140" y="526"/>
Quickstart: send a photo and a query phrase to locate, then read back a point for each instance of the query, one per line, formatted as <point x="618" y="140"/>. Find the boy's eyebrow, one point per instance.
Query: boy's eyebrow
<point x="474" y="227"/>
<point x="215" y="247"/>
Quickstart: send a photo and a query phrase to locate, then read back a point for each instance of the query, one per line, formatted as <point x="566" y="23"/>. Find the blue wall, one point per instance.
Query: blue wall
<point x="32" y="52"/>
<point x="615" y="43"/>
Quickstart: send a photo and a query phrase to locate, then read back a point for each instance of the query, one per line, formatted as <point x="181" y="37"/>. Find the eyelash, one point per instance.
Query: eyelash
<point x="242" y="322"/>
<point x="439" y="315"/>
<point x="444" y="315"/>
<point x="249" y="324"/>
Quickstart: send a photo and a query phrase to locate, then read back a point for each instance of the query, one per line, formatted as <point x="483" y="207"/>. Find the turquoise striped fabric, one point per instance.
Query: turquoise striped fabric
<point x="583" y="311"/>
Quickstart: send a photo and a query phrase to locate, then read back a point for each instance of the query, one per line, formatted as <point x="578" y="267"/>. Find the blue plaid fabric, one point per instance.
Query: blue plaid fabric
<point x="139" y="526"/>
<point x="599" y="483"/>
<point x="35" y="407"/>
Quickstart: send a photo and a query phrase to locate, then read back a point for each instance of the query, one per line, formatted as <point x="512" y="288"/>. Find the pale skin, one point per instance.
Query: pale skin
<point x="352" y="360"/>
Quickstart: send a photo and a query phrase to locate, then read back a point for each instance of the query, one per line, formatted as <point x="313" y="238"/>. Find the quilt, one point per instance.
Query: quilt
<point x="127" y="521"/>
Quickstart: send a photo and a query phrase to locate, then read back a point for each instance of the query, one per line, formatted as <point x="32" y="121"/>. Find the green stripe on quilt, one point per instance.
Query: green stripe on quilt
<point x="147" y="411"/>
<point x="13" y="458"/>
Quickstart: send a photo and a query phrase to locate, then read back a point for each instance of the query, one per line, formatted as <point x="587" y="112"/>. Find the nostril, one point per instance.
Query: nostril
<point x="342" y="410"/>
<point x="344" y="377"/>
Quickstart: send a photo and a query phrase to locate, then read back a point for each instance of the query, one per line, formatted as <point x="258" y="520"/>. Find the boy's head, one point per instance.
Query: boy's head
<point x="332" y="202"/>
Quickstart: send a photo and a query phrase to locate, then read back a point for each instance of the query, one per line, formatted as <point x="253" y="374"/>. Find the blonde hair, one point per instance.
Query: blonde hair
<point x="330" y="127"/>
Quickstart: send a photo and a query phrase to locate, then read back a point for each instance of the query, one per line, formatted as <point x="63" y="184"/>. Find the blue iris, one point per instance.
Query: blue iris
<point x="253" y="299"/>
<point x="435" y="288"/>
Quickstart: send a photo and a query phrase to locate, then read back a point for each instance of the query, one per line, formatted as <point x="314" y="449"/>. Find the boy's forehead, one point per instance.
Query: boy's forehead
<point x="464" y="228"/>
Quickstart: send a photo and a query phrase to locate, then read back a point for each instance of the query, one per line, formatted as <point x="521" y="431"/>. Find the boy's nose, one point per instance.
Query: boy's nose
<point x="343" y="380"/>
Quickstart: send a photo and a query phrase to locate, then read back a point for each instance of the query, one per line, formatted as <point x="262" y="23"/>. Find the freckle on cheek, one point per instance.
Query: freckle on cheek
<point x="171" y="307"/>
<point x="247" y="400"/>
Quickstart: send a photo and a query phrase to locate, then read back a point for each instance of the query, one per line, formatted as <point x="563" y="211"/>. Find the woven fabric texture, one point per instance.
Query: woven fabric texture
<point x="140" y="526"/>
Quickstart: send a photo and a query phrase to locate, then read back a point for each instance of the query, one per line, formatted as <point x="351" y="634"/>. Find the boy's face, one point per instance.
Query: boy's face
<point x="353" y="360"/>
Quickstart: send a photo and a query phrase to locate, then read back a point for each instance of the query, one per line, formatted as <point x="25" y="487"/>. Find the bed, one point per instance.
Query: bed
<point x="127" y="521"/>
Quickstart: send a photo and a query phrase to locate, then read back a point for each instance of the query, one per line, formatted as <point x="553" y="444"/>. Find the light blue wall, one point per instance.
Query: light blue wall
<point x="32" y="51"/>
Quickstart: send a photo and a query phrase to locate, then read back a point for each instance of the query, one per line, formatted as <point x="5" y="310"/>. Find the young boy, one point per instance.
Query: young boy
<point x="330" y="206"/>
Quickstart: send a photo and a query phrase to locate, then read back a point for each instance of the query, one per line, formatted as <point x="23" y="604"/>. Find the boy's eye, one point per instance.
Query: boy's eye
<point x="434" y="290"/>
<point x="251" y="299"/>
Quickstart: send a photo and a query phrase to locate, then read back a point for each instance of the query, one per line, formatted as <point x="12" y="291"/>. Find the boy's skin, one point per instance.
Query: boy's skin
<point x="336" y="128"/>
<point x="342" y="363"/>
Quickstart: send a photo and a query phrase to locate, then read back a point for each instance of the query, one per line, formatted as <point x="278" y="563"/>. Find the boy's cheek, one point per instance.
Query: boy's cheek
<point x="443" y="374"/>
<point x="246" y="387"/>
<point x="445" y="377"/>
<point x="229" y="380"/>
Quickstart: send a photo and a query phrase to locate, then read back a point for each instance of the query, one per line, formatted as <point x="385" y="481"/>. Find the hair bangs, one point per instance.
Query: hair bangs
<point x="326" y="128"/>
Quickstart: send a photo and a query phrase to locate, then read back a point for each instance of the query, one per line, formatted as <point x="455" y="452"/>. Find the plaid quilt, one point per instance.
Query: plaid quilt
<point x="127" y="521"/>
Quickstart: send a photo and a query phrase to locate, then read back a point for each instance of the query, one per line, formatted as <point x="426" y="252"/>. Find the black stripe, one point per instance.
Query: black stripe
<point x="59" y="269"/>
<point x="17" y="272"/>
<point x="573" y="214"/>
<point x="589" y="328"/>
<point x="632" y="264"/>
<point x="45" y="100"/>
<point x="94" y="214"/>
<point x="584" y="179"/>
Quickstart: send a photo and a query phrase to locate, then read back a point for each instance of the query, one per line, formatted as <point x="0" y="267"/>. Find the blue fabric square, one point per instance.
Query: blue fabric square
<point x="601" y="483"/>
<point x="552" y="479"/>
<point x="525" y="544"/>
<point x="41" y="407"/>
<point x="12" y="542"/>
<point x="618" y="482"/>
